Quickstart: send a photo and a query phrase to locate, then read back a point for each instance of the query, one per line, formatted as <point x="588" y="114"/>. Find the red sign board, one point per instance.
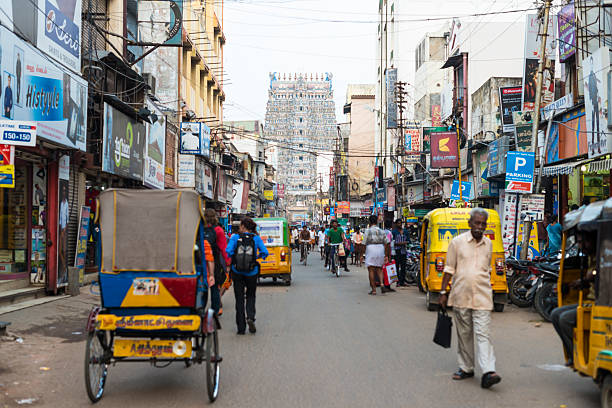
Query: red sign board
<point x="517" y="186"/>
<point x="7" y="154"/>
<point x="344" y="207"/>
<point x="331" y="176"/>
<point x="444" y="150"/>
<point x="436" y="115"/>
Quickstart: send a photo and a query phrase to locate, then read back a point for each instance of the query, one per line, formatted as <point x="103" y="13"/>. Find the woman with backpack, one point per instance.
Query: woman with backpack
<point x="244" y="249"/>
<point x="215" y="236"/>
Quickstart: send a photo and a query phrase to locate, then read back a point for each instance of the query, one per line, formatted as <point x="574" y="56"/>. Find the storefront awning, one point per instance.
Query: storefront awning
<point x="600" y="165"/>
<point x="562" y="169"/>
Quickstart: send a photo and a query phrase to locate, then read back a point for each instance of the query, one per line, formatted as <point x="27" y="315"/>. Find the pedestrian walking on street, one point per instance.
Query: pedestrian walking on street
<point x="244" y="249"/>
<point x="468" y="263"/>
<point x="359" y="247"/>
<point x="215" y="236"/>
<point x="376" y="254"/>
<point x="400" y="240"/>
<point x="321" y="239"/>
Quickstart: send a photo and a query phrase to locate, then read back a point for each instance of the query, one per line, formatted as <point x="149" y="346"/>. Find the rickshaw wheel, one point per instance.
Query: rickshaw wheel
<point x="432" y="307"/>
<point x="212" y="367"/>
<point x="419" y="284"/>
<point x="96" y="370"/>
<point x="606" y="392"/>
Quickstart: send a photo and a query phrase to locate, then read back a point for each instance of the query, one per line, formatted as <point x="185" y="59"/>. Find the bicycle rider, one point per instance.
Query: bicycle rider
<point x="335" y="238"/>
<point x="304" y="242"/>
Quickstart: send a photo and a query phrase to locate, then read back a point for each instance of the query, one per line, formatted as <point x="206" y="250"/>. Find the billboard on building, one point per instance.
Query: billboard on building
<point x="532" y="56"/>
<point x="155" y="150"/>
<point x="567" y="31"/>
<point x="444" y="150"/>
<point x="390" y="80"/>
<point x="446" y="101"/>
<point x="510" y="99"/>
<point x="523" y="130"/>
<point x="123" y="144"/>
<point x="595" y="73"/>
<point x="160" y="21"/>
<point x="33" y="87"/>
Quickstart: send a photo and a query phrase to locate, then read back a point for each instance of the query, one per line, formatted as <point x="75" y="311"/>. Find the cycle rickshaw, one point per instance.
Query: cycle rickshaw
<point x="153" y="287"/>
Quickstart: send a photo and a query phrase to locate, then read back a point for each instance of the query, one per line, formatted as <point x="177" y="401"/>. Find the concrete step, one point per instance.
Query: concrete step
<point x="29" y="303"/>
<point x="11" y="297"/>
<point x="12" y="284"/>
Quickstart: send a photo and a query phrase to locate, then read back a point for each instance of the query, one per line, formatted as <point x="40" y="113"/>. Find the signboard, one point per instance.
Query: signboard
<point x="446" y="101"/>
<point x="390" y="79"/>
<point x="510" y="99"/>
<point x="269" y="195"/>
<point x="532" y="56"/>
<point x="519" y="172"/>
<point x="444" y="150"/>
<point x="523" y="130"/>
<point x="35" y="88"/>
<point x="497" y="152"/>
<point x="560" y="104"/>
<point x="63" y="220"/>
<point x="391" y="198"/>
<point x="161" y="21"/>
<point x="595" y="73"/>
<point x="412" y="143"/>
<point x="186" y="170"/>
<point x="436" y="115"/>
<point x="18" y="133"/>
<point x="381" y="196"/>
<point x="533" y="203"/>
<point x="344" y="207"/>
<point x="155" y="150"/>
<point x="7" y="154"/>
<point x="414" y="194"/>
<point x="123" y="144"/>
<point x="83" y="234"/>
<point x="508" y="202"/>
<point x="59" y="31"/>
<point x="427" y="131"/>
<point x="567" y="31"/>
<point x="203" y="179"/>
<point x="466" y="190"/>
<point x="7" y="176"/>
<point x="191" y="139"/>
<point x="271" y="232"/>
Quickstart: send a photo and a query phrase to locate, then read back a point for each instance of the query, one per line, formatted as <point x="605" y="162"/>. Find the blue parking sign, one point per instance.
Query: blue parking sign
<point x="466" y="187"/>
<point x="519" y="172"/>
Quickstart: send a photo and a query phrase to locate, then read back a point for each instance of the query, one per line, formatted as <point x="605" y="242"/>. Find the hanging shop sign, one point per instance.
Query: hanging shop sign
<point x="519" y="172"/>
<point x="83" y="234"/>
<point x="436" y="115"/>
<point x="191" y="141"/>
<point x="35" y="88"/>
<point x="444" y="150"/>
<point x="390" y="80"/>
<point x="510" y="99"/>
<point x="18" y="132"/>
<point x="414" y="194"/>
<point x="7" y="154"/>
<point x="123" y="144"/>
<point x="391" y="198"/>
<point x="155" y="150"/>
<point x="531" y="60"/>
<point x="595" y="69"/>
<point x="427" y="131"/>
<point x="412" y="143"/>
<point x="568" y="137"/>
<point x="567" y="31"/>
<point x="161" y="21"/>
<point x="64" y="220"/>
<point x="559" y="105"/>
<point x="381" y="197"/>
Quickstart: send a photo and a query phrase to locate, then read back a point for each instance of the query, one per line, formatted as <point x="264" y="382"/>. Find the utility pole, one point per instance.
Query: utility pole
<point x="536" y="120"/>
<point x="400" y="100"/>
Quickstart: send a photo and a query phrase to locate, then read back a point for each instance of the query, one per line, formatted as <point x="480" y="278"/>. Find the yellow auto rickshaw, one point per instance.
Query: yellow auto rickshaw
<point x="585" y="280"/>
<point x="275" y="234"/>
<point x="439" y="227"/>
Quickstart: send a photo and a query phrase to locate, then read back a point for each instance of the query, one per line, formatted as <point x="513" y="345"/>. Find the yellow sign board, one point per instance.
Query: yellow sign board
<point x="7" y="176"/>
<point x="269" y="195"/>
<point x="266" y="215"/>
<point x="152" y="348"/>
<point x="148" y="322"/>
<point x="406" y="211"/>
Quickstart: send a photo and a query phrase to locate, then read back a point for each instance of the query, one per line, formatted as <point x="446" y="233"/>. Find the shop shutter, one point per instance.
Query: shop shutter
<point x="76" y="198"/>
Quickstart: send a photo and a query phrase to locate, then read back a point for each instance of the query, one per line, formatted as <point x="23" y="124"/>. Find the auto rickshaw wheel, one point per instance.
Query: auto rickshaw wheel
<point x="498" y="307"/>
<point x="419" y="284"/>
<point x="431" y="306"/>
<point x="288" y="282"/>
<point x="274" y="280"/>
<point x="212" y="365"/>
<point x="96" y="369"/>
<point x="606" y="392"/>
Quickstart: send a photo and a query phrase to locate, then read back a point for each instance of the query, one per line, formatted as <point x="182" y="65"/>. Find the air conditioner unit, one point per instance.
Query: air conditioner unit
<point x="151" y="80"/>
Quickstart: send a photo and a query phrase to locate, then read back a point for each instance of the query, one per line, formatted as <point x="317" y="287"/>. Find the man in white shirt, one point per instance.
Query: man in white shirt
<point x="294" y="239"/>
<point x="321" y="236"/>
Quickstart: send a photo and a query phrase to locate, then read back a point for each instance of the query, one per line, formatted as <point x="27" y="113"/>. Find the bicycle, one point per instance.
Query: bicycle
<point x="304" y="252"/>
<point x="335" y="261"/>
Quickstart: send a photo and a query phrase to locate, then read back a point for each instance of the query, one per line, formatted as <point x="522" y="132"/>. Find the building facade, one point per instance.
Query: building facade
<point x="301" y="125"/>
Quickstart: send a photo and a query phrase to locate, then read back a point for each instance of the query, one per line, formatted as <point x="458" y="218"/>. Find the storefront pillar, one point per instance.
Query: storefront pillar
<point x="52" y="219"/>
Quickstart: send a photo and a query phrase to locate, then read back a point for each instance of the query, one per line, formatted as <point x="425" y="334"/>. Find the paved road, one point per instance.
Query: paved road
<point x="320" y="343"/>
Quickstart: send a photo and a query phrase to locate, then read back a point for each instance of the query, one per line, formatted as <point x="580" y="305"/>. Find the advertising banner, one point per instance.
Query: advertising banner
<point x="595" y="73"/>
<point x="390" y="80"/>
<point x="523" y="130"/>
<point x="519" y="172"/>
<point x="391" y="198"/>
<point x="567" y="31"/>
<point x="83" y="234"/>
<point x="161" y="21"/>
<point x="532" y="56"/>
<point x="7" y="154"/>
<point x="186" y="170"/>
<point x="436" y="115"/>
<point x="207" y="181"/>
<point x="64" y="217"/>
<point x="155" y="150"/>
<point x="412" y="143"/>
<point x="510" y="99"/>
<point x="269" y="195"/>
<point x="18" y="133"/>
<point x="509" y="205"/>
<point x="444" y="150"/>
<point x="35" y="88"/>
<point x="7" y="176"/>
<point x="123" y="144"/>
<point x="191" y="140"/>
<point x="281" y="191"/>
<point x="446" y="101"/>
<point x="414" y="194"/>
<point x="427" y="131"/>
<point x="344" y="207"/>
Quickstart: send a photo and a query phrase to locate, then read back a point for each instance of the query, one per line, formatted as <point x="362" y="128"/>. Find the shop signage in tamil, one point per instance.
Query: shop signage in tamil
<point x="444" y="150"/>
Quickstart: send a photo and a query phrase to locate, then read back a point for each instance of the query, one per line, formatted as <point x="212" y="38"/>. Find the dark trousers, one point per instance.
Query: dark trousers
<point x="215" y="298"/>
<point x="244" y="286"/>
<point x="400" y="265"/>
<point x="564" y="321"/>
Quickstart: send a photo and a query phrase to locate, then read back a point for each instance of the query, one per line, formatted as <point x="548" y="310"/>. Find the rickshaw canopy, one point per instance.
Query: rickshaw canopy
<point x="585" y="218"/>
<point x="273" y="231"/>
<point x="149" y="230"/>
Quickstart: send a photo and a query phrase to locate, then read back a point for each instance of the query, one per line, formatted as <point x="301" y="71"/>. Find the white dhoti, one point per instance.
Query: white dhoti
<point x="474" y="323"/>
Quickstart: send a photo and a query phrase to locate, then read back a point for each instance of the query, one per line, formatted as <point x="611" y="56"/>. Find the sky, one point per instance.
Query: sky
<point x="337" y="36"/>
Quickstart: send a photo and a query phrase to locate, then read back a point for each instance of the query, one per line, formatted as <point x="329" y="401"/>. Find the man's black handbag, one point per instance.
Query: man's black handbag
<point x="444" y="325"/>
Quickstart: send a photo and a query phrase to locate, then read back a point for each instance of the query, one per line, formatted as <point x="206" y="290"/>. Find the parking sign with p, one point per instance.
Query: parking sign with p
<point x="519" y="172"/>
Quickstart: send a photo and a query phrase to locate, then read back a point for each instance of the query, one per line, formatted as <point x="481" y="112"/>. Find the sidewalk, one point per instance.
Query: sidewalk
<point x="36" y="356"/>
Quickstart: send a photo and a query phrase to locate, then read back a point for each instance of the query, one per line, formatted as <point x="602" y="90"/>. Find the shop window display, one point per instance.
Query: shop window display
<point x="13" y="226"/>
<point x="595" y="186"/>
